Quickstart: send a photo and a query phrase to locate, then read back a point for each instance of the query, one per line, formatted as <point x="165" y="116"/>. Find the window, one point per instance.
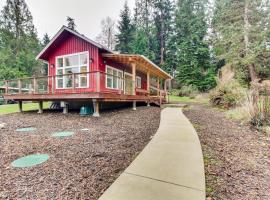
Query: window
<point x="69" y="64"/>
<point x="138" y="82"/>
<point x="114" y="78"/>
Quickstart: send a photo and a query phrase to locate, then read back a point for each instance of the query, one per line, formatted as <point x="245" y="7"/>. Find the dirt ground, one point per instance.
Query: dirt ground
<point x="81" y="166"/>
<point x="237" y="158"/>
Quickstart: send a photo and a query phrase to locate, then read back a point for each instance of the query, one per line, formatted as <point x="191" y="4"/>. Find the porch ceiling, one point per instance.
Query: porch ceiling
<point x="142" y="63"/>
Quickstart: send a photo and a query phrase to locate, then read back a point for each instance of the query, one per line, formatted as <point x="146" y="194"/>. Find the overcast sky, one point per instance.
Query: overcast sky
<point x="50" y="15"/>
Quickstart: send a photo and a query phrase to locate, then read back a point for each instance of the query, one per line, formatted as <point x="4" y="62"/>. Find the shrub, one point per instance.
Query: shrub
<point x="174" y="92"/>
<point x="258" y="108"/>
<point x="189" y="91"/>
<point x="227" y="95"/>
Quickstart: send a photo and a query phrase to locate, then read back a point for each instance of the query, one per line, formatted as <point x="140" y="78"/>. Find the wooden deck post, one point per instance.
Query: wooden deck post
<point x="20" y="106"/>
<point x="20" y="86"/>
<point x="73" y="82"/>
<point x="35" y="85"/>
<point x="133" y="78"/>
<point x="96" y="108"/>
<point x="53" y="84"/>
<point x="40" y="107"/>
<point x="148" y="82"/>
<point x="134" y="105"/>
<point x="98" y="82"/>
<point x="158" y="86"/>
<point x="6" y="89"/>
<point x="148" y="88"/>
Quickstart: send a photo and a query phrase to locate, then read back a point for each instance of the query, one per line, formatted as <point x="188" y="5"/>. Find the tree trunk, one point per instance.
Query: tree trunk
<point x="162" y="42"/>
<point x="251" y="67"/>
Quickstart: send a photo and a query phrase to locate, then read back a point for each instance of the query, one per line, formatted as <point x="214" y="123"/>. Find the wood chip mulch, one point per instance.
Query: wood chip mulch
<point x="237" y="158"/>
<point x="80" y="167"/>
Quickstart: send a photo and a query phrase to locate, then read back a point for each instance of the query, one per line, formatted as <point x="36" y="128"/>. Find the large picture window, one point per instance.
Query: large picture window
<point x="114" y="78"/>
<point x="69" y="64"/>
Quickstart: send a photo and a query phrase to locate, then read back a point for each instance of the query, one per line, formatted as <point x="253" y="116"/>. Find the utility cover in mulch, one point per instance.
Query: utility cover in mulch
<point x="80" y="167"/>
<point x="63" y="134"/>
<point x="28" y="129"/>
<point x="30" y="160"/>
<point x="237" y="157"/>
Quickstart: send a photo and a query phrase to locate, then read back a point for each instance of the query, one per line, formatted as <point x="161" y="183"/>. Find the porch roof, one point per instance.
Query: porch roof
<point x="142" y="63"/>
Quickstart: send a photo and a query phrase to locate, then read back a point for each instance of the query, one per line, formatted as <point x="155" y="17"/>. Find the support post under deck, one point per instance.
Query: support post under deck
<point x="20" y="106"/>
<point x="65" y="107"/>
<point x="96" y="108"/>
<point x="40" y="107"/>
<point x="134" y="105"/>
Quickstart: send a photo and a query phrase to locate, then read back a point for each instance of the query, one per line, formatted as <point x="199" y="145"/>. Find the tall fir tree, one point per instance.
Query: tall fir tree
<point x="162" y="16"/>
<point x="19" y="41"/>
<point x="71" y="23"/>
<point x="126" y="31"/>
<point x="46" y="39"/>
<point x="240" y="30"/>
<point x="193" y="56"/>
<point x="144" y="41"/>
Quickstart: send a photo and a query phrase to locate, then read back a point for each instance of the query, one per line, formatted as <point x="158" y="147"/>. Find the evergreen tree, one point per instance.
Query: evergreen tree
<point x="144" y="41"/>
<point x="193" y="56"/>
<point x="126" y="31"/>
<point x="71" y="23"/>
<point x="240" y="33"/>
<point x="19" y="42"/>
<point x="46" y="39"/>
<point x="162" y="15"/>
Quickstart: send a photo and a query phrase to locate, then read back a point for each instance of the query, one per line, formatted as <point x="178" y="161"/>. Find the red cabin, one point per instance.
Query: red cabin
<point x="81" y="70"/>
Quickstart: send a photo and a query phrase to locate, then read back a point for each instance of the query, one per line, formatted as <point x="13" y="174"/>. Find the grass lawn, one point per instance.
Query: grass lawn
<point x="13" y="108"/>
<point x="187" y="99"/>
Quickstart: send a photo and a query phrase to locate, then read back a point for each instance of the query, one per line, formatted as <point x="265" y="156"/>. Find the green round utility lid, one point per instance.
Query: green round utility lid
<point x="28" y="129"/>
<point x="31" y="160"/>
<point x="63" y="134"/>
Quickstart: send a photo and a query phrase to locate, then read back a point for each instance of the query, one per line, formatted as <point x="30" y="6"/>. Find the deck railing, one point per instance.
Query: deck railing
<point x="85" y="82"/>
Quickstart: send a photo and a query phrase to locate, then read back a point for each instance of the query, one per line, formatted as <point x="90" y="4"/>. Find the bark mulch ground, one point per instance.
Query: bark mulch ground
<point x="81" y="166"/>
<point x="237" y="158"/>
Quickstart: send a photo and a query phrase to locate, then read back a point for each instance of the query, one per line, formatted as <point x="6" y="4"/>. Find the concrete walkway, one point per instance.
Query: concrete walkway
<point x="169" y="168"/>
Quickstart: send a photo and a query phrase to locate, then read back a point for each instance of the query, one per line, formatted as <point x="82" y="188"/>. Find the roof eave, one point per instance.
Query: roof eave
<point x="64" y="28"/>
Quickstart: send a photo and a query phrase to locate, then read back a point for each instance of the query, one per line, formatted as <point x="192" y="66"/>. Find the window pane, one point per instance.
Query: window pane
<point x="59" y="62"/>
<point x="115" y="82"/>
<point x="60" y="72"/>
<point x="120" y="80"/>
<point x="109" y="70"/>
<point x="109" y="82"/>
<point x="68" y="81"/>
<point x="83" y="69"/>
<point x="83" y="59"/>
<point x="83" y="81"/>
<point x="138" y="82"/>
<point x="60" y="83"/>
<point x="72" y="60"/>
<point x="72" y="70"/>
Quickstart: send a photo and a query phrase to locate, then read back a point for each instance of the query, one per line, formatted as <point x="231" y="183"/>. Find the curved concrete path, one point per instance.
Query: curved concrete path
<point x="169" y="168"/>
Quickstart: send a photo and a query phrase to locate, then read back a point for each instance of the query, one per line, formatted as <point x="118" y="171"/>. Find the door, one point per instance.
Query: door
<point x="128" y="84"/>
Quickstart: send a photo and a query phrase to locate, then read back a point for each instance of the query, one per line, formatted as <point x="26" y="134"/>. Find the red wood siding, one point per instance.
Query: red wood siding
<point x="73" y="44"/>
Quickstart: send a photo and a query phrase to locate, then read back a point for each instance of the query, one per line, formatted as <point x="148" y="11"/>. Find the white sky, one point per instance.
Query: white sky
<point x="50" y="15"/>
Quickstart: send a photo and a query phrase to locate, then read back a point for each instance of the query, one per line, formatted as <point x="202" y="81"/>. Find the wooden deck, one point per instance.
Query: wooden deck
<point x="103" y="97"/>
<point x="44" y="89"/>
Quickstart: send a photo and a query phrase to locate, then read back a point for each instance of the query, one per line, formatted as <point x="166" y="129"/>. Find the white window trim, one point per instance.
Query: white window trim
<point x="118" y="70"/>
<point x="139" y="78"/>
<point x="63" y="68"/>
